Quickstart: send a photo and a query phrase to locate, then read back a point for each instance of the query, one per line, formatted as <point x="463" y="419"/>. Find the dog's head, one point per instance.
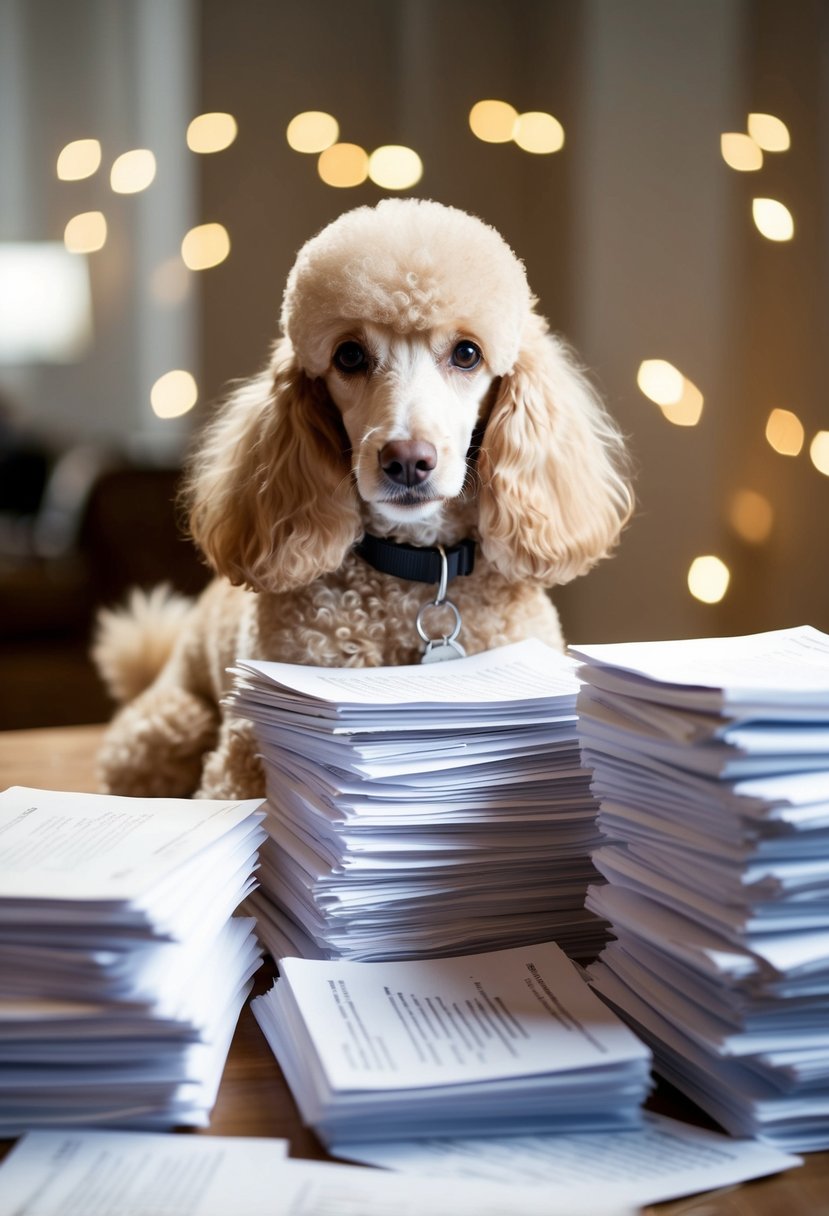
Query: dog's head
<point x="415" y="393"/>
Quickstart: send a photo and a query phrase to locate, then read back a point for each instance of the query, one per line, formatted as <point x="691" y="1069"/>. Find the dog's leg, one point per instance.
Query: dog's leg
<point x="155" y="745"/>
<point x="233" y="769"/>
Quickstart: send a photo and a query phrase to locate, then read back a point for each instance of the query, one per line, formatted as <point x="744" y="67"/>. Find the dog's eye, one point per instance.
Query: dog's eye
<point x="350" y="357"/>
<point x="466" y="356"/>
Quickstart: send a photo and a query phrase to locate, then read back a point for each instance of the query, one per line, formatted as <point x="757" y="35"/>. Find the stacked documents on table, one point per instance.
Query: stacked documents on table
<point x="505" y="1042"/>
<point x="711" y="762"/>
<point x="122" y="968"/>
<point x="427" y="810"/>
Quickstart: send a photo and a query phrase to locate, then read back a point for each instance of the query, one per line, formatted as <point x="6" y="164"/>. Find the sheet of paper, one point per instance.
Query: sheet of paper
<point x="779" y="668"/>
<point x="73" y="1173"/>
<point x="510" y="1013"/>
<point x="132" y="1174"/>
<point x="87" y="847"/>
<point x="522" y="672"/>
<point x="663" y="1160"/>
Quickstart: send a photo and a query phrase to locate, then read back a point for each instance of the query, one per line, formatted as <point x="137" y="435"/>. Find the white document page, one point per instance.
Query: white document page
<point x="779" y="667"/>
<point x="87" y="847"/>
<point x="509" y="1013"/>
<point x="76" y="1173"/>
<point x="521" y="672"/>
<point x="662" y="1160"/>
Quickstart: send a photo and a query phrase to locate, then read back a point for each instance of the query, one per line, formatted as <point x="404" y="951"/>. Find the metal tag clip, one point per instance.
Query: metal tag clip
<point x="439" y="649"/>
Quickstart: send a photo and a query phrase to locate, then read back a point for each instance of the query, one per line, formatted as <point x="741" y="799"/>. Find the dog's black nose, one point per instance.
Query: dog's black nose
<point x="408" y="461"/>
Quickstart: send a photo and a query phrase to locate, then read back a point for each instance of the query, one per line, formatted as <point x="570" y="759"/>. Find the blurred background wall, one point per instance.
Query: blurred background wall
<point x="701" y="313"/>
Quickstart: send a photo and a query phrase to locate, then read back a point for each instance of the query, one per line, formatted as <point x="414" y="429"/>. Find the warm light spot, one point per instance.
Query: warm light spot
<point x="770" y="133"/>
<point x="211" y="132"/>
<point x="538" y="132"/>
<point x="751" y="516"/>
<point x="773" y="219"/>
<point x="312" y="131"/>
<point x="708" y="579"/>
<point x="784" y="431"/>
<point x="79" y="159"/>
<point x="660" y="381"/>
<point x="395" y="167"/>
<point x="132" y="171"/>
<point x="170" y="282"/>
<point x="173" y="394"/>
<point x="740" y="152"/>
<point x="493" y="121"/>
<point x="205" y="246"/>
<point x="688" y="410"/>
<point x="819" y="452"/>
<point x="343" y="165"/>
<point x="85" y="233"/>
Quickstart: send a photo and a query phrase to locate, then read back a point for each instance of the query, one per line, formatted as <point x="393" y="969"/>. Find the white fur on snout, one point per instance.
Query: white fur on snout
<point x="411" y="393"/>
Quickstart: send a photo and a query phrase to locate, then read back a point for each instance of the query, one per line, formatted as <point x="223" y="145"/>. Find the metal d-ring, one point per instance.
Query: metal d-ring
<point x="445" y="638"/>
<point x="440" y="601"/>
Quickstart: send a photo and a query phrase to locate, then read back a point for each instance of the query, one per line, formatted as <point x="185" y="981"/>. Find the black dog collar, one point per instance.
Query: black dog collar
<point x="412" y="562"/>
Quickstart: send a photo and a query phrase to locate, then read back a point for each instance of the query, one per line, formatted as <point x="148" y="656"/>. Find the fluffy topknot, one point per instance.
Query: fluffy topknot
<point x="411" y="264"/>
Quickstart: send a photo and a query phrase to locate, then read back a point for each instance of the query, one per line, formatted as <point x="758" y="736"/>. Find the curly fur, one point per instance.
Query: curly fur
<point x="132" y="644"/>
<point x="291" y="472"/>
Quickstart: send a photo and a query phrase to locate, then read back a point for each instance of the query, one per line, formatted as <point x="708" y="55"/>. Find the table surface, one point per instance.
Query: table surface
<point x="254" y="1099"/>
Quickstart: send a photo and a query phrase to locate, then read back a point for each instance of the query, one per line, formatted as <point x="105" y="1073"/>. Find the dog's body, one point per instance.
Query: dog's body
<point x="416" y="396"/>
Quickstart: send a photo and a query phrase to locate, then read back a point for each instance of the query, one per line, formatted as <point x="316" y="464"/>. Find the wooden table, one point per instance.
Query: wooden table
<point x="254" y="1099"/>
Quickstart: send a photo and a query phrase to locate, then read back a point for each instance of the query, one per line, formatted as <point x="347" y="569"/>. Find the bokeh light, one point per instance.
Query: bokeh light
<point x="784" y="432"/>
<point x="205" y="246"/>
<point x="538" y="132"/>
<point x="708" y="579"/>
<point x="493" y="121"/>
<point x="769" y="132"/>
<point x="211" y="132"/>
<point x="395" y="167"/>
<point x="751" y="516"/>
<point x="132" y="171"/>
<point x="343" y="165"/>
<point x="86" y="233"/>
<point x="740" y="152"/>
<point x="688" y="410"/>
<point x="312" y="131"/>
<point x="660" y="381"/>
<point x="170" y="282"/>
<point x="173" y="394"/>
<point x="819" y="452"/>
<point x="772" y="219"/>
<point x="79" y="159"/>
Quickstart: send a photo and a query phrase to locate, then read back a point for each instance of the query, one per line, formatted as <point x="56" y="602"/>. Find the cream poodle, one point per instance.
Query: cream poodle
<point x="418" y="436"/>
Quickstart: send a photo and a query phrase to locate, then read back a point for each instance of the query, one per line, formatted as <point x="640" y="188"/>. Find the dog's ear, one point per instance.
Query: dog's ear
<point x="269" y="488"/>
<point x="554" y="488"/>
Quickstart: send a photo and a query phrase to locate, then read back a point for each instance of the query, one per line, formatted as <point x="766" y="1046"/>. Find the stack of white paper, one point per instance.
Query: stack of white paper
<point x="423" y="811"/>
<point x="510" y="1041"/>
<point x="711" y="762"/>
<point x="122" y="968"/>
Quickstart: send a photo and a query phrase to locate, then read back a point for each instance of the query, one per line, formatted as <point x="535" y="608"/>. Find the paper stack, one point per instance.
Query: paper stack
<point x="122" y="969"/>
<point x="423" y="811"/>
<point x="711" y="762"/>
<point x="509" y="1041"/>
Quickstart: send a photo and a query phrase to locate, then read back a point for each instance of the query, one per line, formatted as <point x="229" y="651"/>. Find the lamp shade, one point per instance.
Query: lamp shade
<point x="45" y="303"/>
